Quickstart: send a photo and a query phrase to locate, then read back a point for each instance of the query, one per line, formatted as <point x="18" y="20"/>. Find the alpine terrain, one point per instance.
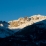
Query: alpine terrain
<point x="26" y="31"/>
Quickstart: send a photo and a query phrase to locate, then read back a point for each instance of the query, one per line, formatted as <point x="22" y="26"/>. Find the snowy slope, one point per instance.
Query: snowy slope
<point x="33" y="19"/>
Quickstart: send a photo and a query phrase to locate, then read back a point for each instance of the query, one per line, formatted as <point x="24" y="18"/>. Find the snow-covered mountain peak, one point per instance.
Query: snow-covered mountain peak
<point x="22" y="22"/>
<point x="25" y="21"/>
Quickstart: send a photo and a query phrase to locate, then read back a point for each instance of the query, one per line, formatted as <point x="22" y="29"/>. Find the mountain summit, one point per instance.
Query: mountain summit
<point x="25" y="21"/>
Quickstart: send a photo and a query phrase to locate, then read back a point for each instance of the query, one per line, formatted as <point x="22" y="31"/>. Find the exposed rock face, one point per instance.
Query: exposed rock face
<point x="38" y="17"/>
<point x="14" y="24"/>
<point x="19" y="22"/>
<point x="26" y="20"/>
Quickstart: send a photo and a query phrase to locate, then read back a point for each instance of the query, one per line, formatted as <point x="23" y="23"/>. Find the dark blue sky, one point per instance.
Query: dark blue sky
<point x="13" y="9"/>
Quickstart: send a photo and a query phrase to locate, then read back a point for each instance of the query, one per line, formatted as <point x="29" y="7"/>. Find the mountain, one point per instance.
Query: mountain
<point x="25" y="21"/>
<point x="27" y="31"/>
<point x="32" y="35"/>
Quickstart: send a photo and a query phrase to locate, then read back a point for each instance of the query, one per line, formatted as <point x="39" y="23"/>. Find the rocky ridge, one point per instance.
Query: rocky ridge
<point x="23" y="22"/>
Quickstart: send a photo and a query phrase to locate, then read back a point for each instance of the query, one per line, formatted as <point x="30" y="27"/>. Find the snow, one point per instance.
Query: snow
<point x="25" y="24"/>
<point x="1" y="24"/>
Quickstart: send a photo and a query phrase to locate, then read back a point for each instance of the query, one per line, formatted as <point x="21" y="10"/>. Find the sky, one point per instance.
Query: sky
<point x="14" y="9"/>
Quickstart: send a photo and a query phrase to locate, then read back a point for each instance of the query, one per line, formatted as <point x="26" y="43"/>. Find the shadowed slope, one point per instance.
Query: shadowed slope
<point x="33" y="35"/>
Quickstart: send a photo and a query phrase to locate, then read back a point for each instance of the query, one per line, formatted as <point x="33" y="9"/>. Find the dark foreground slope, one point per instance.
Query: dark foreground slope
<point x="33" y="35"/>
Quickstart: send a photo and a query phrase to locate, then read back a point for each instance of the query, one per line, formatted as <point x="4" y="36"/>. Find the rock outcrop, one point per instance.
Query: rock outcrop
<point x="26" y="20"/>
